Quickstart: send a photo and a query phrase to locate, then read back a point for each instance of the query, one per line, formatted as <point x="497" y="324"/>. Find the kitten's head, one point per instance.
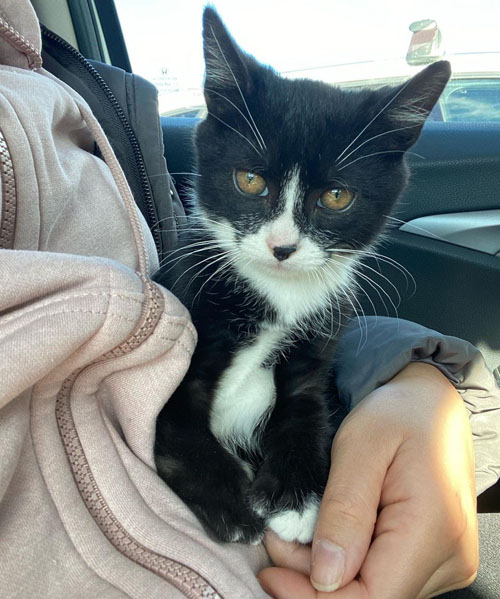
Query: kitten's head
<point x="293" y="171"/>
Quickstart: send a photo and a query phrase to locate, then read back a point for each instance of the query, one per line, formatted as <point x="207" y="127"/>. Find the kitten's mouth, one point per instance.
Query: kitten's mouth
<point x="283" y="268"/>
<point x="280" y="267"/>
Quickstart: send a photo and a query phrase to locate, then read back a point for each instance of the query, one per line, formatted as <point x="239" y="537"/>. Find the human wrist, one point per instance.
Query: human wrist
<point x="424" y="381"/>
<point x="411" y="404"/>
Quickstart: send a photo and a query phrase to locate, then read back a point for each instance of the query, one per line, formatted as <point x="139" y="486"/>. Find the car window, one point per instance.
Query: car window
<point x="351" y="43"/>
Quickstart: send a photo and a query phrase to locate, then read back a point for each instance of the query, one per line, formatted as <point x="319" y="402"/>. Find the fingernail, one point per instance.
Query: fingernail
<point x="327" y="566"/>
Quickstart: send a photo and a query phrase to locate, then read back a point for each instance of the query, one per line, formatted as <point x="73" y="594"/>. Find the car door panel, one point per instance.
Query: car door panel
<point x="457" y="289"/>
<point x="445" y="287"/>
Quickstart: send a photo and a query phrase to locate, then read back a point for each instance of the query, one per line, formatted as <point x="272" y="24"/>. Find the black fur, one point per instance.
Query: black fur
<point x="305" y="126"/>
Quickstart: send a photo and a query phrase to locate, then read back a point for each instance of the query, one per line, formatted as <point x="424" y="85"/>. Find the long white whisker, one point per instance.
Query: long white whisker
<point x="399" y="267"/>
<point x="194" y="266"/>
<point x="376" y="256"/>
<point x="360" y="287"/>
<point x="321" y="280"/>
<point x="212" y="91"/>
<point x="375" y="287"/>
<point x="207" y="245"/>
<point x="333" y="333"/>
<point x="217" y="259"/>
<point x="375" y="137"/>
<point x="399" y="220"/>
<point x="177" y="259"/>
<point x="373" y="119"/>
<point x="199" y="239"/>
<point x="377" y="153"/>
<point x="197" y="243"/>
<point x="339" y="312"/>
<point x="346" y="292"/>
<point x="364" y="265"/>
<point x="180" y="229"/>
<point x="406" y="273"/>
<point x="236" y="131"/>
<point x="220" y="269"/>
<point x="203" y="219"/>
<point x="172" y="218"/>
<point x="192" y="174"/>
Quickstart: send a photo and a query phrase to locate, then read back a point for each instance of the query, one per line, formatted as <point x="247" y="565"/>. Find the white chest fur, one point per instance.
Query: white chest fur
<point x="245" y="393"/>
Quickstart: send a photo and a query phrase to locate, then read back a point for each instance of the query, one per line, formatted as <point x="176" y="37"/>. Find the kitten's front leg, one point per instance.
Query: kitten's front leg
<point x="213" y="483"/>
<point x="288" y="487"/>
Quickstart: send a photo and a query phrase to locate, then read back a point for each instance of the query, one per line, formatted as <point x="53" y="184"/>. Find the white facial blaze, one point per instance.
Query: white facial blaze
<point x="292" y="189"/>
<point x="283" y="231"/>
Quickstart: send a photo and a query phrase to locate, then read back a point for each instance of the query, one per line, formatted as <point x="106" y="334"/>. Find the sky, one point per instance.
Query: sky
<point x="293" y="35"/>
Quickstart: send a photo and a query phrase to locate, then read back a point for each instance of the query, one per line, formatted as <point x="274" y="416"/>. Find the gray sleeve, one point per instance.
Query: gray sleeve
<point x="375" y="349"/>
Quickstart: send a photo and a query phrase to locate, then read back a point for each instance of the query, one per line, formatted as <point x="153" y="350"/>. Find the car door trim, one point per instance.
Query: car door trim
<point x="478" y="230"/>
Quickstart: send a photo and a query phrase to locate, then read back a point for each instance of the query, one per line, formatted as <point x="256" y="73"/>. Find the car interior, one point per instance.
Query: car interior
<point x="440" y="260"/>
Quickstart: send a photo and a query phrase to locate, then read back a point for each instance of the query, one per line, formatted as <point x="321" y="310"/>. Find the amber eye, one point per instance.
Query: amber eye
<point x="250" y="183"/>
<point x="336" y="199"/>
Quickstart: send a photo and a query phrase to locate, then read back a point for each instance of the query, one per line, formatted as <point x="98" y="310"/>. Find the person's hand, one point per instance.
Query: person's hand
<point x="398" y="517"/>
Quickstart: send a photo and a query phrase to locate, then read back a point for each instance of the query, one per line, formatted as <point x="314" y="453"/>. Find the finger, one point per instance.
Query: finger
<point x="398" y="563"/>
<point x="281" y="583"/>
<point x="348" y="510"/>
<point x="294" y="556"/>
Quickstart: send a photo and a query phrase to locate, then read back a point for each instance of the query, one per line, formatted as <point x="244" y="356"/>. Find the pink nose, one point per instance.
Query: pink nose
<point x="281" y="252"/>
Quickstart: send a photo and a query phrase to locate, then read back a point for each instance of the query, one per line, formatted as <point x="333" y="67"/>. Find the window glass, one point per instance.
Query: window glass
<point x="352" y="43"/>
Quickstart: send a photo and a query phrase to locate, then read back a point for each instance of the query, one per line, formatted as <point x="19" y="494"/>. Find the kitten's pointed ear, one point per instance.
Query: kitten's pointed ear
<point x="226" y="72"/>
<point x="416" y="98"/>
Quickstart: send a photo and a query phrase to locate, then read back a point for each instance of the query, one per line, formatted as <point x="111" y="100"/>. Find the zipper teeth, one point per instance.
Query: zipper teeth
<point x="9" y="197"/>
<point x="186" y="580"/>
<point x="148" y="196"/>
<point x="20" y="43"/>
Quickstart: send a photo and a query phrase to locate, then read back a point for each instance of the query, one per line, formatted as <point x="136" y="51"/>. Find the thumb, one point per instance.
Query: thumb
<point x="348" y="510"/>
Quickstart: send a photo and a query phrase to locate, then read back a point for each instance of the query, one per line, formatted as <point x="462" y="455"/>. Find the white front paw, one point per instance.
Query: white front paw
<point x="295" y="525"/>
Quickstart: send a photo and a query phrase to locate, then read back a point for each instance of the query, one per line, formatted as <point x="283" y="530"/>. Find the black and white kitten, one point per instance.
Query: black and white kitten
<point x="295" y="177"/>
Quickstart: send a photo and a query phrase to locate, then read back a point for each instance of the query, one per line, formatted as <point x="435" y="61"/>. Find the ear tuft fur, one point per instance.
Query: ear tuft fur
<point x="418" y="96"/>
<point x="224" y="61"/>
<point x="413" y="102"/>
